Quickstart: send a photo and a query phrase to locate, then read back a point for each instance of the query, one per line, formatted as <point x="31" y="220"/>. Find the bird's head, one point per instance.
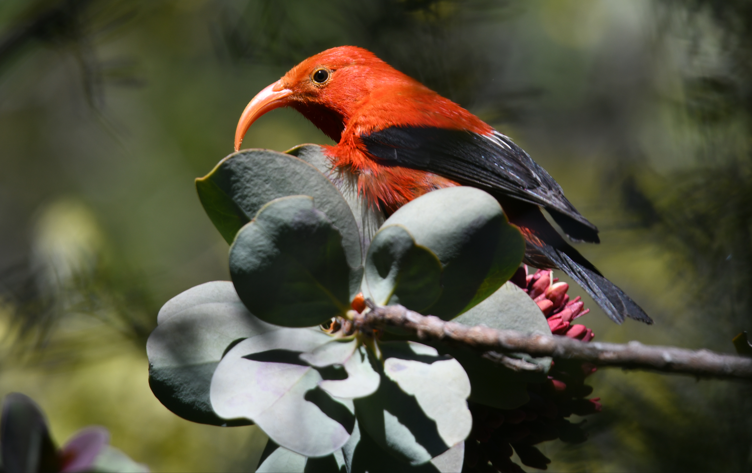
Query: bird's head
<point x="326" y="88"/>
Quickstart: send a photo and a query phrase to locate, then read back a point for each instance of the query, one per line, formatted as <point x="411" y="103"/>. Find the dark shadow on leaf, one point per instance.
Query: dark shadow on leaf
<point x="277" y="356"/>
<point x="270" y="448"/>
<point x="327" y="464"/>
<point x="402" y="351"/>
<point x="232" y="345"/>
<point x="332" y="373"/>
<point x="331" y="408"/>
<point x="406" y="409"/>
<point x="368" y="456"/>
<point x="183" y="391"/>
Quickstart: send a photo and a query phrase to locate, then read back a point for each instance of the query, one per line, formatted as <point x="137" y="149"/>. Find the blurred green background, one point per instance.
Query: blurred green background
<point x="641" y="109"/>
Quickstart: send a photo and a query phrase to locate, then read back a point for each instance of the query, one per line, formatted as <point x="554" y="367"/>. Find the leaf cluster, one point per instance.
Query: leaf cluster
<point x="253" y="350"/>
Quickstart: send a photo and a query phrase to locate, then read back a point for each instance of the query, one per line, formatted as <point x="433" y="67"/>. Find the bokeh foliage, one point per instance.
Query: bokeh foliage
<point x="110" y="108"/>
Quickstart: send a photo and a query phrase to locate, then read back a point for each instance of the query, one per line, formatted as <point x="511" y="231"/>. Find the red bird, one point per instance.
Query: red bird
<point x="399" y="140"/>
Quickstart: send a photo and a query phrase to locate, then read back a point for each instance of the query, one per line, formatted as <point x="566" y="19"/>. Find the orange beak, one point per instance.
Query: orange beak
<point x="273" y="96"/>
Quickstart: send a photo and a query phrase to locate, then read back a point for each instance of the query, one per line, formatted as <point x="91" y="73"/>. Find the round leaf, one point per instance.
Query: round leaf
<point x="334" y="352"/>
<point x="440" y="386"/>
<point x="264" y="380"/>
<point x="451" y="460"/>
<point x="469" y="233"/>
<point x="509" y="308"/>
<point x="398" y="271"/>
<point x="213" y="291"/>
<point x="236" y="189"/>
<point x="283" y="460"/>
<point x="362" y="454"/>
<point x="185" y="349"/>
<point x="288" y="265"/>
<point x="362" y="379"/>
<point x="420" y="409"/>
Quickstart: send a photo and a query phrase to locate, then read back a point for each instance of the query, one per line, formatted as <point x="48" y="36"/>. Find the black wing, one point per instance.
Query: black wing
<point x="493" y="163"/>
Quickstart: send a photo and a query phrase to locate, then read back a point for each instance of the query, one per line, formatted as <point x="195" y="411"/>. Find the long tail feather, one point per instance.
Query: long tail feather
<point x="606" y="294"/>
<point x="546" y="248"/>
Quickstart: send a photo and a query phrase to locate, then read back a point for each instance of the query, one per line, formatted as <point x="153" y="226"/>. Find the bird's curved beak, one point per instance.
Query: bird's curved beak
<point x="273" y="96"/>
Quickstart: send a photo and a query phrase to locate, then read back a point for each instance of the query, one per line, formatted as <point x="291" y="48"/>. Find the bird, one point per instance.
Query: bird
<point x="396" y="140"/>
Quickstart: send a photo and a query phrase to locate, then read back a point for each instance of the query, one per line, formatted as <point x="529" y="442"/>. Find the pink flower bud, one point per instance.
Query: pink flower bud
<point x="557" y="325"/>
<point x="556" y="292"/>
<point x="546" y="306"/>
<point x="577" y="331"/>
<point x="584" y="407"/>
<point x="566" y="314"/>
<point x="541" y="284"/>
<point x="575" y="307"/>
<point x="559" y="386"/>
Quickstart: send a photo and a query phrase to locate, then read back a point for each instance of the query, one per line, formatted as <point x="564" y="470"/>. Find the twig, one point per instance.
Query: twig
<point x="633" y="355"/>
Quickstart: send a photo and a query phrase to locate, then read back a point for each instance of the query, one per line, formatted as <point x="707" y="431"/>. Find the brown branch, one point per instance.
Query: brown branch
<point x="633" y="355"/>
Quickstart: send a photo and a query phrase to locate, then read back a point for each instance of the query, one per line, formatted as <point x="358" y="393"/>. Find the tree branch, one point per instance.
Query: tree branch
<point x="633" y="355"/>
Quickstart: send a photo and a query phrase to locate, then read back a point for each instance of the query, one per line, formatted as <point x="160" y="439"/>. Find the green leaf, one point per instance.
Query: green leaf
<point x="288" y="265"/>
<point x="469" y="233"/>
<point x="264" y="380"/>
<point x="25" y="442"/>
<point x="362" y="454"/>
<point x="398" y="271"/>
<point x="224" y="213"/>
<point x="335" y="352"/>
<point x="236" y="189"/>
<point x="439" y="384"/>
<point x="450" y="461"/>
<point x="420" y="409"/>
<point x="283" y="460"/>
<point x="213" y="291"/>
<point x="196" y="328"/>
<point x="509" y="308"/>
<point x="362" y="379"/>
<point x="491" y="383"/>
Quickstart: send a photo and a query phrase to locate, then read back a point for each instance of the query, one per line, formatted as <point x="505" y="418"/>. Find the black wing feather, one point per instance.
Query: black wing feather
<point x="493" y="163"/>
<point x="614" y="302"/>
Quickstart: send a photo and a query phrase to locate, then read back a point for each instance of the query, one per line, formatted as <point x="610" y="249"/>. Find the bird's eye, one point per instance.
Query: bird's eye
<point x="320" y="76"/>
